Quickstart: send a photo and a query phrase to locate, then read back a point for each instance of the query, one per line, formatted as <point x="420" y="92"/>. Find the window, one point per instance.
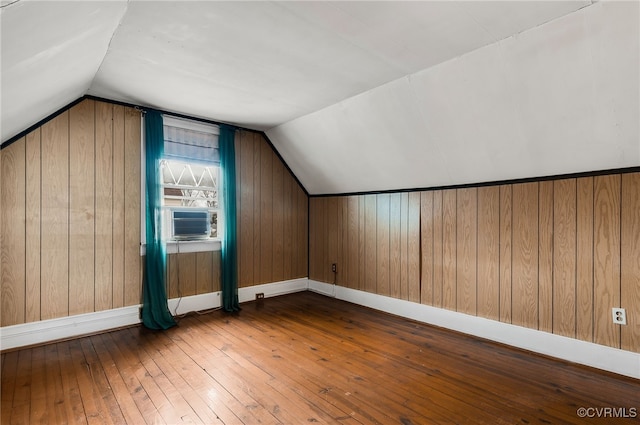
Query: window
<point x="190" y="173"/>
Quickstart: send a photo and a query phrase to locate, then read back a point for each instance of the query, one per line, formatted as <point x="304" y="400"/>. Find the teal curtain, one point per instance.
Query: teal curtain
<point x="229" y="236"/>
<point x="155" y="311"/>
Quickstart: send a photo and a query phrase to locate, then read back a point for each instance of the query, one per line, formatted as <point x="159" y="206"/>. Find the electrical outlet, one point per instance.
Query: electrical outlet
<point x="260" y="296"/>
<point x="619" y="316"/>
<point x="334" y="267"/>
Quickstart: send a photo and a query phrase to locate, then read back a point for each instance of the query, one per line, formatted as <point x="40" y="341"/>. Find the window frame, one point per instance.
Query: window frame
<point x="181" y="246"/>
<point x="217" y="210"/>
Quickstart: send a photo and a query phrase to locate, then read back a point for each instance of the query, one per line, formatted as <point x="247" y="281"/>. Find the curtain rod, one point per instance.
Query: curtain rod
<point x="144" y="110"/>
<point x="141" y="109"/>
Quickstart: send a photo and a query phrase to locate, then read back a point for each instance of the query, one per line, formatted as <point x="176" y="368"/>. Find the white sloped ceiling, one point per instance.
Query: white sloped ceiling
<point x="50" y="54"/>
<point x="260" y="64"/>
<point x="356" y="96"/>
<point x="559" y="98"/>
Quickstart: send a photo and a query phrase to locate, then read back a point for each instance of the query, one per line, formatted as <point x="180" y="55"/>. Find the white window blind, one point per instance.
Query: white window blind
<point x="190" y="173"/>
<point x="191" y="141"/>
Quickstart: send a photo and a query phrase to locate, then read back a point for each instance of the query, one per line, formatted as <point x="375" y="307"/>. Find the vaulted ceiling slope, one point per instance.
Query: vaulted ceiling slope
<point x="557" y="99"/>
<point x="356" y="96"/>
<point x="50" y="54"/>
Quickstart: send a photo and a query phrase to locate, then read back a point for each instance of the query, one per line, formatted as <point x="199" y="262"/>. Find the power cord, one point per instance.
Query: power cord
<point x="334" y="269"/>
<point x="175" y="311"/>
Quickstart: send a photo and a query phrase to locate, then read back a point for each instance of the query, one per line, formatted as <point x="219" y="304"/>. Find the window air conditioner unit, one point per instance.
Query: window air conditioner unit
<point x="190" y="224"/>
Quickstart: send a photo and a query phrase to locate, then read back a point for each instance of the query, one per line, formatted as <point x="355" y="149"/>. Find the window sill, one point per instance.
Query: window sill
<point x="182" y="247"/>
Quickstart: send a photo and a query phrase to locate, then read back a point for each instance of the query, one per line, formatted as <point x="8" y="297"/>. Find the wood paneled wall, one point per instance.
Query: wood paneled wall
<point x="272" y="215"/>
<point x="373" y="239"/>
<point x="70" y="218"/>
<point x="71" y="215"/>
<point x="551" y="255"/>
<point x="272" y="226"/>
<point x="193" y="273"/>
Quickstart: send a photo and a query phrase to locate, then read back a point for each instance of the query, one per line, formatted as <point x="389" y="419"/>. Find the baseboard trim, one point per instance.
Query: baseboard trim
<point x="178" y="306"/>
<point x="273" y="289"/>
<point x="45" y="331"/>
<point x="585" y="353"/>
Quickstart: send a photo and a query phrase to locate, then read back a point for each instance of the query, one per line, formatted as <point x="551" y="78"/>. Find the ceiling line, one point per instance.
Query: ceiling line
<point x="9" y="4"/>
<point x="113" y="34"/>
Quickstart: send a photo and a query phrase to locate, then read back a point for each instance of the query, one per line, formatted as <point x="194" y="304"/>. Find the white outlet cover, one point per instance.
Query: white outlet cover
<point x="619" y="316"/>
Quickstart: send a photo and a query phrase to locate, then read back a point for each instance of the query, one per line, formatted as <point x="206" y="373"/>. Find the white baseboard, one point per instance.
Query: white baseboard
<point x="200" y="302"/>
<point x="586" y="353"/>
<point x="44" y="331"/>
<point x="573" y="350"/>
<point x="273" y="289"/>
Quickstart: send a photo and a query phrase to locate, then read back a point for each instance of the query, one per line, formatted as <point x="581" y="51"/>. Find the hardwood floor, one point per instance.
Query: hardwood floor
<point x="303" y="358"/>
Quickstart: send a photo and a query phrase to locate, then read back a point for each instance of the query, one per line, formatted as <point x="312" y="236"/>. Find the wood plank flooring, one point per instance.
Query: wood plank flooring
<point x="303" y="358"/>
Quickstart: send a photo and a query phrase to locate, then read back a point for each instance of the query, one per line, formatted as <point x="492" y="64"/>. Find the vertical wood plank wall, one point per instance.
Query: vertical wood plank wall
<point x="272" y="226"/>
<point x="70" y="218"/>
<point x="71" y="215"/>
<point x="551" y="255"/>
<point x="193" y="273"/>
<point x="272" y="215"/>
